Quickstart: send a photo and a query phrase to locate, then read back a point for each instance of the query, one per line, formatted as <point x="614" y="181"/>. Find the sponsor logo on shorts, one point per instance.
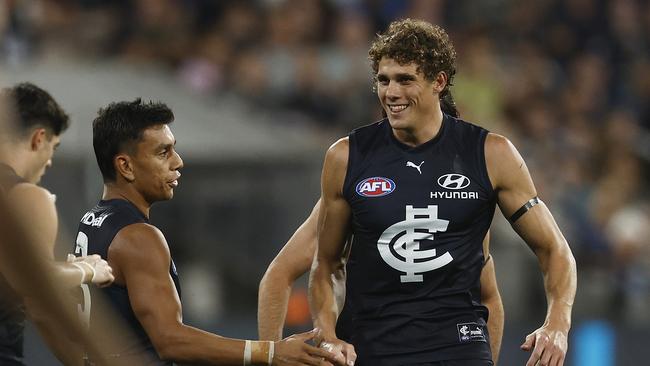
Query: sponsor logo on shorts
<point x="375" y="187"/>
<point x="470" y="332"/>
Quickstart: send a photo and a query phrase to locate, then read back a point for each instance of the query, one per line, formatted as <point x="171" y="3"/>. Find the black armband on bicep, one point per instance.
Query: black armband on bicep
<point x="521" y="211"/>
<point x="486" y="260"/>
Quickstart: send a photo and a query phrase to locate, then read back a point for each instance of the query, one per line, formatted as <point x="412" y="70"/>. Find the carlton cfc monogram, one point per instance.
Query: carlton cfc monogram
<point x="403" y="238"/>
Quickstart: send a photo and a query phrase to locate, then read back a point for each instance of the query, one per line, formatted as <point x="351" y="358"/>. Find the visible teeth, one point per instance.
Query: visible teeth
<point x="397" y="108"/>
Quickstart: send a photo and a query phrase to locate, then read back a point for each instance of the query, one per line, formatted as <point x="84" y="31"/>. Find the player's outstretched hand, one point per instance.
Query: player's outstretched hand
<point x="549" y="346"/>
<point x="294" y="350"/>
<point x="102" y="272"/>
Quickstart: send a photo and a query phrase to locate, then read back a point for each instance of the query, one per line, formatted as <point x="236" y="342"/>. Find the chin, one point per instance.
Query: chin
<point x="398" y="123"/>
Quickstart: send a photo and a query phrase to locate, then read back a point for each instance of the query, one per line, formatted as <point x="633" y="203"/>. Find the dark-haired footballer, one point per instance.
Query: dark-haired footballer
<point x="417" y="193"/>
<point x="30" y="128"/>
<point x="135" y="151"/>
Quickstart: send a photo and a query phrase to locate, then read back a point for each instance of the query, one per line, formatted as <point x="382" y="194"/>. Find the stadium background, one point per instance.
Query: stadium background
<point x="261" y="88"/>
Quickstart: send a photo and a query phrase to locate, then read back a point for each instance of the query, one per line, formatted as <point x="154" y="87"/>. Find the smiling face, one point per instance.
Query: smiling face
<point x="156" y="164"/>
<point x="408" y="98"/>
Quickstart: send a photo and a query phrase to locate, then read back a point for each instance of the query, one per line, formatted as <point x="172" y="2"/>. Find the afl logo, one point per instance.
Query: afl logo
<point x="453" y="181"/>
<point x="375" y="187"/>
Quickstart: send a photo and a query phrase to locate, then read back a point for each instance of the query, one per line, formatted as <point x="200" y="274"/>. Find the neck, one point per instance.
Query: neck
<point x="13" y="157"/>
<point x="127" y="193"/>
<point x="422" y="131"/>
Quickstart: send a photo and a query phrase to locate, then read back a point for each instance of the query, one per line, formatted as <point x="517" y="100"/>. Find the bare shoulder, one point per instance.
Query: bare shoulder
<point x="497" y="145"/>
<point x="502" y="158"/>
<point x="137" y="242"/>
<point x="339" y="151"/>
<point x="35" y="195"/>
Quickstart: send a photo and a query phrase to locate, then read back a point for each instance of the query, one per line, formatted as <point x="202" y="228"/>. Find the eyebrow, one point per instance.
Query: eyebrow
<point x="400" y="76"/>
<point x="165" y="146"/>
<point x="405" y="76"/>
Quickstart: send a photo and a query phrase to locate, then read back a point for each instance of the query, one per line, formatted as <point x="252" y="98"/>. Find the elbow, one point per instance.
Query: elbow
<point x="166" y="354"/>
<point x="167" y="347"/>
<point x="569" y="259"/>
<point x="492" y="300"/>
<point x="277" y="275"/>
<point x="493" y="304"/>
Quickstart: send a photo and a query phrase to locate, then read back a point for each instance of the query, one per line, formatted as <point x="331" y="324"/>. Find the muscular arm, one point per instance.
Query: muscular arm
<point x="34" y="206"/>
<point x="511" y="179"/>
<point x="491" y="298"/>
<point x="293" y="261"/>
<point x="333" y="228"/>
<point x="140" y="257"/>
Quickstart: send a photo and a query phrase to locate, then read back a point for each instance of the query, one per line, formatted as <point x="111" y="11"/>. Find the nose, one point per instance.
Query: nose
<point x="392" y="90"/>
<point x="49" y="163"/>
<point x="178" y="161"/>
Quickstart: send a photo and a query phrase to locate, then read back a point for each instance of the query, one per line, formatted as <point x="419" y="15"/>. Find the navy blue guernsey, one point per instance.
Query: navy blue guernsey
<point x="419" y="216"/>
<point x="12" y="310"/>
<point x="97" y="229"/>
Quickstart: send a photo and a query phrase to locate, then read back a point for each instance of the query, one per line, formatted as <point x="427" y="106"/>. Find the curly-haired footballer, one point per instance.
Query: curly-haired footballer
<point x="417" y="192"/>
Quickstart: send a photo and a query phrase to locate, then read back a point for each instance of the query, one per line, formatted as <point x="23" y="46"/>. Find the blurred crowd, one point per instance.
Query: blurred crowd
<point x="567" y="81"/>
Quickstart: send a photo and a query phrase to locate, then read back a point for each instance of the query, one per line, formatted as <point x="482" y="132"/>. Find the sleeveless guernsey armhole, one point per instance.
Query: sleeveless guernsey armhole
<point x="351" y="159"/>
<point x="481" y="156"/>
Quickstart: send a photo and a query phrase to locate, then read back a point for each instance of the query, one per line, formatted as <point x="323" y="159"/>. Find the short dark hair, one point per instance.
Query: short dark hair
<point x="426" y="45"/>
<point x="34" y="108"/>
<point x="119" y="125"/>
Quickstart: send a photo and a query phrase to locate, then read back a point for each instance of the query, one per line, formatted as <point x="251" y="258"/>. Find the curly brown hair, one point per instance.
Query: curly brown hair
<point x="419" y="42"/>
<point x="427" y="45"/>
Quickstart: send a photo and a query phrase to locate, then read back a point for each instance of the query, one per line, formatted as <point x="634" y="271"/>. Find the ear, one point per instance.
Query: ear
<point x="124" y="167"/>
<point x="440" y="82"/>
<point x="37" y="139"/>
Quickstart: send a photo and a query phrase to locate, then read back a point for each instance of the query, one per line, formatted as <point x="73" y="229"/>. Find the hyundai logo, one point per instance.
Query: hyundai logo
<point x="453" y="181"/>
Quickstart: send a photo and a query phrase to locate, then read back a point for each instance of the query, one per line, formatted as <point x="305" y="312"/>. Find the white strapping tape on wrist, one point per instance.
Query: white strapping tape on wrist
<point x="83" y="272"/>
<point x="247" y="353"/>
<point x="92" y="269"/>
<point x="271" y="352"/>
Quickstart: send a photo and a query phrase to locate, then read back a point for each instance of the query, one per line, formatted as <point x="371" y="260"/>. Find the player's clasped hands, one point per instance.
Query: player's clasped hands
<point x="294" y="350"/>
<point x="548" y="346"/>
<point x="102" y="272"/>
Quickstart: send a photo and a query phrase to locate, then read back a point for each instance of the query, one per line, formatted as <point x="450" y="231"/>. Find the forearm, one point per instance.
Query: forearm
<point x="185" y="344"/>
<point x="322" y="299"/>
<point x="59" y="341"/>
<point x="559" y="269"/>
<point x="495" y="325"/>
<point x="65" y="350"/>
<point x="72" y="275"/>
<point x="273" y="299"/>
<point x="542" y="234"/>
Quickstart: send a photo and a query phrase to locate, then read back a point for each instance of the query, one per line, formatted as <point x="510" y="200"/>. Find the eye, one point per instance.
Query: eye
<point x="405" y="80"/>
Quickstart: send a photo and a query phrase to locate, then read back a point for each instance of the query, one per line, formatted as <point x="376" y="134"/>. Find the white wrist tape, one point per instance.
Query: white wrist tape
<point x="92" y="269"/>
<point x="248" y="352"/>
<point x="83" y="272"/>
<point x="271" y="352"/>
